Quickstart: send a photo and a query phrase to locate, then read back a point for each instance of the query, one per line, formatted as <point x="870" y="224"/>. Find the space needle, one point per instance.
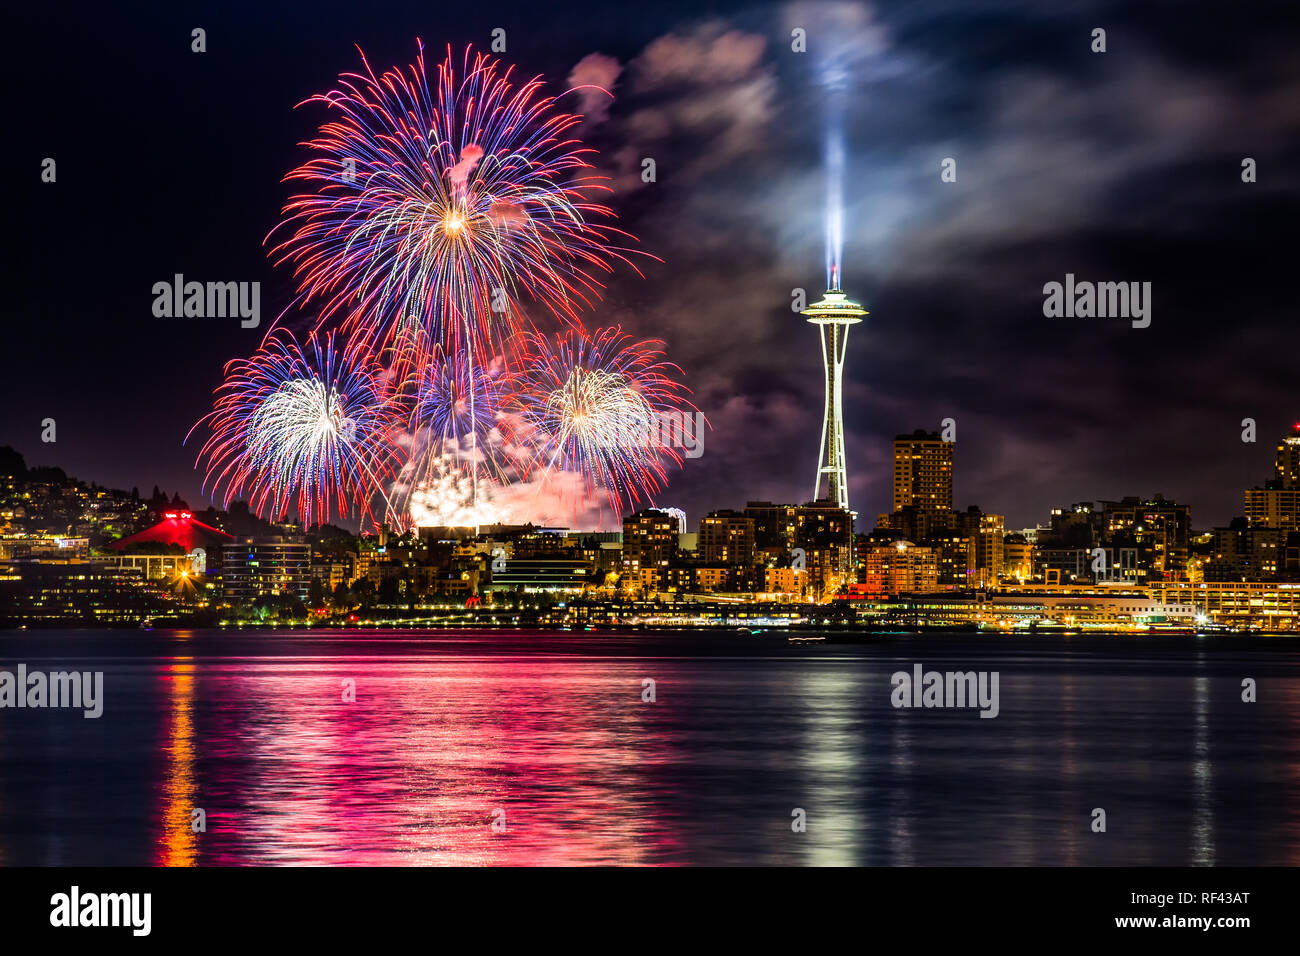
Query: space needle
<point x="833" y="314"/>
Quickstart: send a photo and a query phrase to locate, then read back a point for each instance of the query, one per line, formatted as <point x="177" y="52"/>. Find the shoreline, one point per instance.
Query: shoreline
<point x="796" y="632"/>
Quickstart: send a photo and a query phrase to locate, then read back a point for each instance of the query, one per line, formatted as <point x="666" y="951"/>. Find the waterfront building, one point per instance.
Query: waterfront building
<point x="563" y="576"/>
<point x="899" y="567"/>
<point x="276" y="565"/>
<point x="1265" y="605"/>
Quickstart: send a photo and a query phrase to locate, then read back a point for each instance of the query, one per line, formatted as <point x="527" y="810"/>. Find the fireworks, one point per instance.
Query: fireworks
<point x="448" y="495"/>
<point x="438" y="207"/>
<point x="595" y="404"/>
<point x="440" y="217"/>
<point x="458" y="402"/>
<point x="304" y="427"/>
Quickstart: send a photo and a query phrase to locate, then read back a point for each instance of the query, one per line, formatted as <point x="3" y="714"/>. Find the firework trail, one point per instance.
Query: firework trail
<point x="440" y="205"/>
<point x="455" y="417"/>
<point x="458" y="403"/>
<point x="593" y="404"/>
<point x="310" y="427"/>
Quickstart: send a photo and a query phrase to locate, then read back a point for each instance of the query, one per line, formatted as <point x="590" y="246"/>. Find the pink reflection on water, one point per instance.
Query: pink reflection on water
<point x="429" y="755"/>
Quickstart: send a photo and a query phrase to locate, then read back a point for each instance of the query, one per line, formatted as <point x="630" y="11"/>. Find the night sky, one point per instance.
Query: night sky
<point x="1123" y="166"/>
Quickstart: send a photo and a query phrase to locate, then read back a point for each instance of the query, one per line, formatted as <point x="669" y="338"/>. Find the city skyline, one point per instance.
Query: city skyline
<point x="929" y="484"/>
<point x="73" y="552"/>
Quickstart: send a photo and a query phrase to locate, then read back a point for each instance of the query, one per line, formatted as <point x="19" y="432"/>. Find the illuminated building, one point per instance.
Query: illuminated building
<point x="1287" y="464"/>
<point x="833" y="314"/>
<point x="918" y="524"/>
<point x="1159" y="529"/>
<point x="1079" y="526"/>
<point x="331" y="574"/>
<point x="1266" y="605"/>
<point x="822" y="529"/>
<point x="545" y="575"/>
<point x="774" y="527"/>
<point x="44" y="548"/>
<point x="954" y="559"/>
<point x="1075" y="565"/>
<point x="276" y="565"/>
<point x="77" y="593"/>
<point x="362" y="561"/>
<point x="786" y="582"/>
<point x="1272" y="507"/>
<point x="923" y="465"/>
<point x="1017" y="557"/>
<point x="155" y="566"/>
<point x="897" y="568"/>
<point x="824" y="533"/>
<point x="706" y="579"/>
<point x="1143" y="539"/>
<point x="1277" y="504"/>
<point x="727" y="538"/>
<point x="179" y="528"/>
<point x="1067" y="607"/>
<point x="1245" y="552"/>
<point x="986" y="533"/>
<point x="649" y="542"/>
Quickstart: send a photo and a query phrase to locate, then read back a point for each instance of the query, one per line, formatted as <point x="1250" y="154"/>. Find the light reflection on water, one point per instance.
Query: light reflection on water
<point x="548" y="737"/>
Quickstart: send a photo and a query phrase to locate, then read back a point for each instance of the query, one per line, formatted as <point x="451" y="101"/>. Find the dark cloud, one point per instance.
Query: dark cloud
<point x="1116" y="166"/>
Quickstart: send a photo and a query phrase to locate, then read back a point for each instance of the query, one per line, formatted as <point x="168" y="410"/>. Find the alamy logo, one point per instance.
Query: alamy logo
<point x="102" y="909"/>
<point x="212" y="300"/>
<point x="950" y="689"/>
<point x="1086" y="300"/>
<point x="671" y="429"/>
<point x="84" y="690"/>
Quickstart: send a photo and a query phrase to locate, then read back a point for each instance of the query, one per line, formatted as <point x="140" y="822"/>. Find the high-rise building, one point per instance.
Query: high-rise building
<point x="774" y="526"/>
<point x="1246" y="552"/>
<point x="954" y="554"/>
<point x="817" y="536"/>
<point x="824" y="533"/>
<point x="923" y="471"/>
<point x="649" y="541"/>
<point x="727" y="538"/>
<point x="918" y="524"/>
<point x="1273" y="508"/>
<point x="1277" y="504"/>
<point x="1287" y="465"/>
<point x="986" y="533"/>
<point x="833" y="314"/>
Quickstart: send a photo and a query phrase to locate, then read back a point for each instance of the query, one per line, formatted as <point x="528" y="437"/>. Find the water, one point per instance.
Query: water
<point x="548" y="734"/>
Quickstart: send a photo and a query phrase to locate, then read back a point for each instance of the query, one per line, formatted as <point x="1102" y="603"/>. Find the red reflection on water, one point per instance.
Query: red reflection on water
<point x="562" y="759"/>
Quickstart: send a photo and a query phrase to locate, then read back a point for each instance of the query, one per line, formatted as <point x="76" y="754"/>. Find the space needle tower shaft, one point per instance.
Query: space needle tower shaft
<point x="833" y="314"/>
